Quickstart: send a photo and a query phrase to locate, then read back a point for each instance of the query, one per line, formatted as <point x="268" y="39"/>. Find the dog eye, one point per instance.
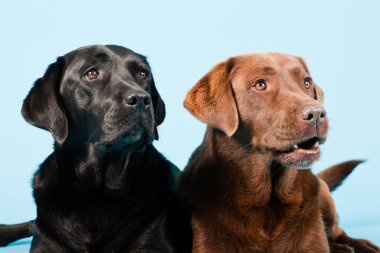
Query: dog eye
<point x="260" y="85"/>
<point x="92" y="73"/>
<point x="141" y="75"/>
<point x="307" y="82"/>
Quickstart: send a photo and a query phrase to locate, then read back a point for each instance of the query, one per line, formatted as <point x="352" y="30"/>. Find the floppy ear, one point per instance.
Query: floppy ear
<point x="159" y="108"/>
<point x="42" y="106"/>
<point x="212" y="100"/>
<point x="318" y="93"/>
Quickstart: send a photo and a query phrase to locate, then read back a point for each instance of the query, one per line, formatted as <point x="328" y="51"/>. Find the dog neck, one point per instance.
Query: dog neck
<point x="93" y="167"/>
<point x="250" y="175"/>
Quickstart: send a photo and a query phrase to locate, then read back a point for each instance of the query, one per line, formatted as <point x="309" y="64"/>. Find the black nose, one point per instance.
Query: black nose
<point x="314" y="114"/>
<point x="139" y="100"/>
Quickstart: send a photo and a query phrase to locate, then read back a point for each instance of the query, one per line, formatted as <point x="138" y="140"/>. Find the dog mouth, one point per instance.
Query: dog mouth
<point x="300" y="154"/>
<point x="134" y="137"/>
<point x="135" y="142"/>
<point x="310" y="145"/>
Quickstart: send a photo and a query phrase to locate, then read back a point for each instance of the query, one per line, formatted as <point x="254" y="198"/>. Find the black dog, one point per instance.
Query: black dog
<point x="105" y="188"/>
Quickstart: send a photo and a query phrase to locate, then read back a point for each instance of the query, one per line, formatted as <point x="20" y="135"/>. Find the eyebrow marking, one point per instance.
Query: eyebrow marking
<point x="295" y="71"/>
<point x="268" y="70"/>
<point x="135" y="65"/>
<point x="101" y="56"/>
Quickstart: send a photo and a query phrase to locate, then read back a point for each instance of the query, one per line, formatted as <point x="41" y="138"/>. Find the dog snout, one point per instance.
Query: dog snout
<point x="139" y="101"/>
<point x="313" y="114"/>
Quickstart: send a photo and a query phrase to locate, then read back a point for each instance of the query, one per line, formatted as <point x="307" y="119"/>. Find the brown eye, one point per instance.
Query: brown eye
<point x="92" y="73"/>
<point x="307" y="82"/>
<point x="260" y="85"/>
<point x="141" y="75"/>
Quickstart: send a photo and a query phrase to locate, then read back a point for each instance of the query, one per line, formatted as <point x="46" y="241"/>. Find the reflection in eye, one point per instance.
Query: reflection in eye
<point x="260" y="85"/>
<point x="92" y="73"/>
<point x="141" y="75"/>
<point x="307" y="82"/>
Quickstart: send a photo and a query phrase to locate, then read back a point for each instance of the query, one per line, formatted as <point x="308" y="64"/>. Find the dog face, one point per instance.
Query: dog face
<point x="97" y="94"/>
<point x="266" y="100"/>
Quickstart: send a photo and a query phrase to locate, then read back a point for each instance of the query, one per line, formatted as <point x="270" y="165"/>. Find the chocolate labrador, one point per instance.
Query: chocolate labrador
<point x="105" y="188"/>
<point x="248" y="186"/>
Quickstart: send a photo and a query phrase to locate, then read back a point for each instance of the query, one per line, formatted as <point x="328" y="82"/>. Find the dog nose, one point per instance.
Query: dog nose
<point x="139" y="101"/>
<point x="314" y="114"/>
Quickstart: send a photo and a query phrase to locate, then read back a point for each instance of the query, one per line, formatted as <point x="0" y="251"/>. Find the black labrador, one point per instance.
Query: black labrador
<point x="105" y="188"/>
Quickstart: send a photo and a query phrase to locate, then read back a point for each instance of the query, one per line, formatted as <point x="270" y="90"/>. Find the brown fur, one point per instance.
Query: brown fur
<point x="335" y="175"/>
<point x="242" y="195"/>
<point x="330" y="179"/>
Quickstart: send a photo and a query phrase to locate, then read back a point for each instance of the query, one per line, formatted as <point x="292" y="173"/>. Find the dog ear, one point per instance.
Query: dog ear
<point x="159" y="108"/>
<point x="318" y="93"/>
<point x="212" y="99"/>
<point x="42" y="106"/>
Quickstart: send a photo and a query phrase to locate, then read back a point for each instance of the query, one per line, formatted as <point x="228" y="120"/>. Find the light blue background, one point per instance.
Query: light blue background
<point x="339" y="39"/>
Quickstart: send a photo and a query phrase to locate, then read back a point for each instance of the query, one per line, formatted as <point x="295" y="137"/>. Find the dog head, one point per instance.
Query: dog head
<point x="97" y="94"/>
<point x="266" y="100"/>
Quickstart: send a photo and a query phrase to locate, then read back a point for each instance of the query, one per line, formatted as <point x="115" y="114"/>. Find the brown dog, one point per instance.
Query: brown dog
<point x="247" y="185"/>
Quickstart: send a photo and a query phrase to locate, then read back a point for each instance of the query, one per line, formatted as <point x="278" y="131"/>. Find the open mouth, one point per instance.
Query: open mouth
<point x="300" y="154"/>
<point x="309" y="146"/>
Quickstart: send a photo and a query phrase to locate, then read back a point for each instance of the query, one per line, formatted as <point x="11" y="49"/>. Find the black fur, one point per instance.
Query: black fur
<point x="105" y="188"/>
<point x="11" y="233"/>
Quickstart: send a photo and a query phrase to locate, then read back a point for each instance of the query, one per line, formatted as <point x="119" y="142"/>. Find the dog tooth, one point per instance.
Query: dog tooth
<point x="316" y="144"/>
<point x="295" y="146"/>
